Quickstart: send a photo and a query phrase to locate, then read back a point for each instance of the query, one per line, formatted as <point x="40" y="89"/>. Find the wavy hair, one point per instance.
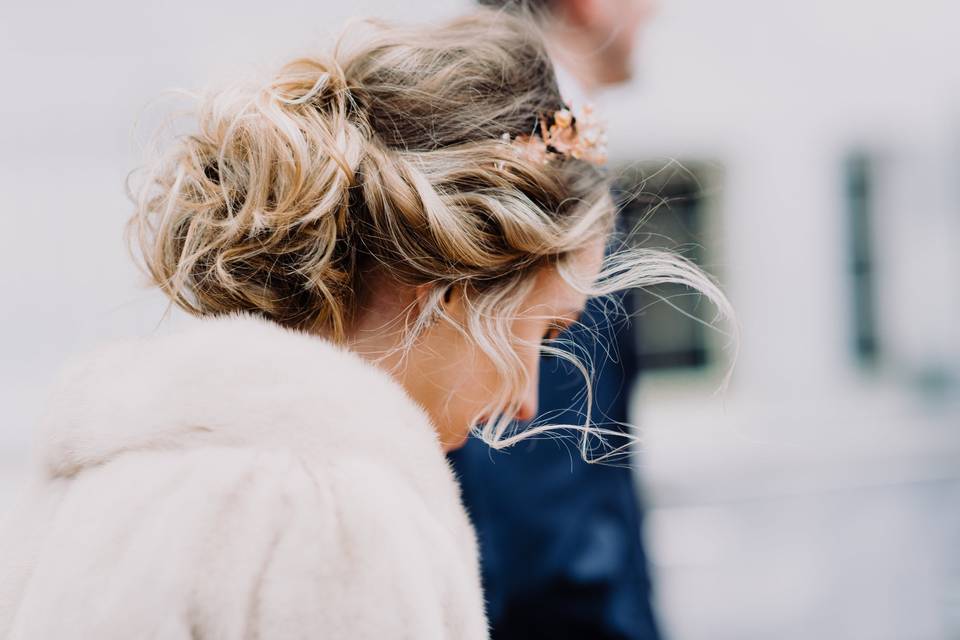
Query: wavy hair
<point x="385" y="157"/>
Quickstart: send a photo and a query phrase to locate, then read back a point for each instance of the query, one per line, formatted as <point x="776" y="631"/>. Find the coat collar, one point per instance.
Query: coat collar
<point x="234" y="380"/>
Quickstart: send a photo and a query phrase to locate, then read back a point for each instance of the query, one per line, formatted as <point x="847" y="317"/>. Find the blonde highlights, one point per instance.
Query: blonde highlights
<point x="383" y="159"/>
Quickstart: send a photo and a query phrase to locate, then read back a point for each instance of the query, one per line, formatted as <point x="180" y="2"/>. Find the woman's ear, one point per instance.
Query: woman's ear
<point x="454" y="301"/>
<point x="449" y="298"/>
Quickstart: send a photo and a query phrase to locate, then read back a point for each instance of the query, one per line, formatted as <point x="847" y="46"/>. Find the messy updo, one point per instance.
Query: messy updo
<point x="384" y="159"/>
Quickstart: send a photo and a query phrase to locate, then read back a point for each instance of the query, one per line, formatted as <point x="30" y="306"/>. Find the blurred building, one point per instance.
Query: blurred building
<point x="808" y="154"/>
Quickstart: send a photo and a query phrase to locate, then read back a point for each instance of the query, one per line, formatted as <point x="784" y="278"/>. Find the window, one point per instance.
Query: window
<point x="671" y="207"/>
<point x="859" y="202"/>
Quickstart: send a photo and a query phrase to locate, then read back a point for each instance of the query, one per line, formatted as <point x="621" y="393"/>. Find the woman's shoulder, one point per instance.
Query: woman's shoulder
<point x="239" y="535"/>
<point x="233" y="381"/>
<point x="240" y="470"/>
<point x="238" y="399"/>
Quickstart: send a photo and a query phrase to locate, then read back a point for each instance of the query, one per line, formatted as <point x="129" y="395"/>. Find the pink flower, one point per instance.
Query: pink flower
<point x="578" y="136"/>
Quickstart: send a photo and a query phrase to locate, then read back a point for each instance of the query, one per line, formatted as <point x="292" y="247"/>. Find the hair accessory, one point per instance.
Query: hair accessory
<point x="579" y="135"/>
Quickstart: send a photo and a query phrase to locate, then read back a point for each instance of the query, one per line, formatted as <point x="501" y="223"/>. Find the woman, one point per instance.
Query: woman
<point x="377" y="243"/>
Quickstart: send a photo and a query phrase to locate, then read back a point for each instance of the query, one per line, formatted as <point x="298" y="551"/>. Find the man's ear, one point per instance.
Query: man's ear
<point x="577" y="13"/>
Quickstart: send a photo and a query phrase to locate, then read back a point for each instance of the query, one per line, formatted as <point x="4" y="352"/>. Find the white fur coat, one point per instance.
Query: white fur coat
<point x="238" y="480"/>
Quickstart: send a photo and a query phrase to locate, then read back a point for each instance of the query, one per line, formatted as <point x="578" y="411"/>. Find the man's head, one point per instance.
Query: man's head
<point x="594" y="39"/>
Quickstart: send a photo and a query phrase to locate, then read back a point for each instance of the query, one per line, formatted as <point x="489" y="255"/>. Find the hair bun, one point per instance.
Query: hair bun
<point x="247" y="212"/>
<point x="388" y="152"/>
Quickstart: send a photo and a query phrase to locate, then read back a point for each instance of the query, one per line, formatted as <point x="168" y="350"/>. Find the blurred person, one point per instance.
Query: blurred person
<point x="561" y="540"/>
<point x="379" y="244"/>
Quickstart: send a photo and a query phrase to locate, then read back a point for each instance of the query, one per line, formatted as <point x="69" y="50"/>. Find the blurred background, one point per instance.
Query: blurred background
<point x="807" y="154"/>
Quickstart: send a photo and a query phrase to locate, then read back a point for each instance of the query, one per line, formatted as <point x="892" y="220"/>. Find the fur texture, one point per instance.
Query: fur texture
<point x="238" y="480"/>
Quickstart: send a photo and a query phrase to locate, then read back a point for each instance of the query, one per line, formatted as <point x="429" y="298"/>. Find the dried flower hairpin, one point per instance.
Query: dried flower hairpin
<point x="580" y="136"/>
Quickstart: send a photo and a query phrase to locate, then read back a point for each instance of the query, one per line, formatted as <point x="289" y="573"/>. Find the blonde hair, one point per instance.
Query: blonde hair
<point x="384" y="157"/>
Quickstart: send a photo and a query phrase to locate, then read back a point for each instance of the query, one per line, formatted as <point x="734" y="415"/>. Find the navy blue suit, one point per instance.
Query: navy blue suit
<point x="560" y="539"/>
